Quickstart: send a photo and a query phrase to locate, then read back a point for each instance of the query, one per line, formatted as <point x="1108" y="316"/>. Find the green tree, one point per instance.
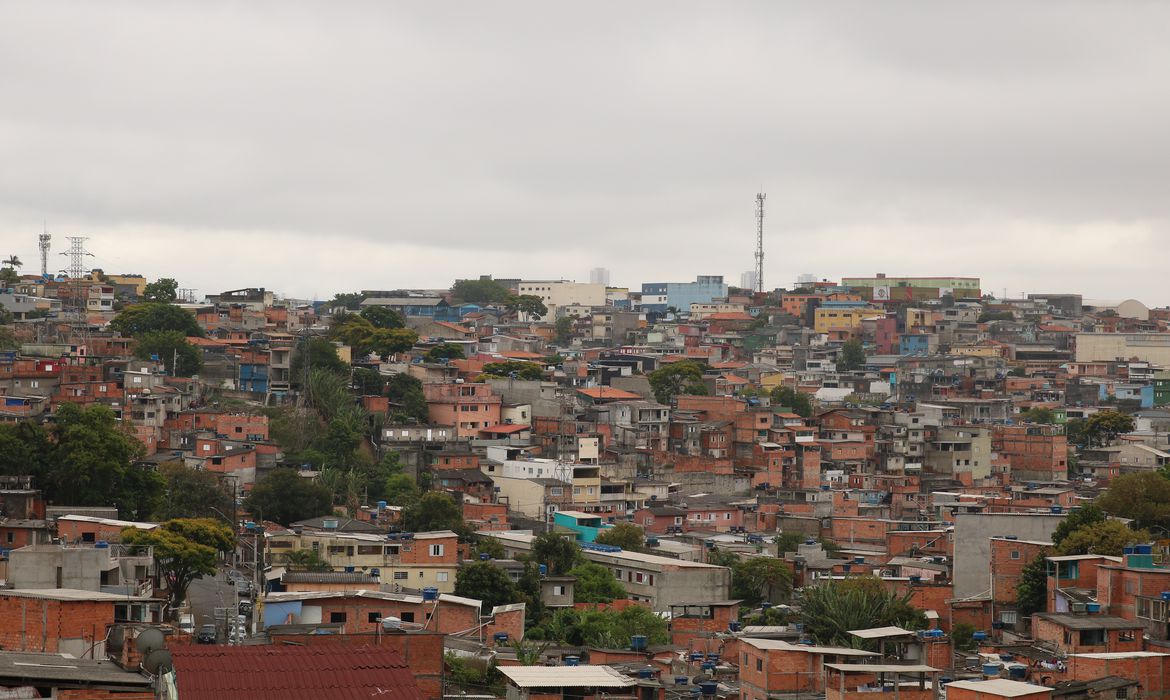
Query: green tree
<point x="830" y="611"/>
<point x="628" y="536"/>
<point x="184" y="550"/>
<point x="26" y="449"/>
<point x="8" y="339"/>
<point x="527" y="304"/>
<point x="1032" y="588"/>
<point x="163" y="290"/>
<point x="1074" y="432"/>
<point x="305" y="560"/>
<point x="434" y="510"/>
<point x="383" y="317"/>
<point x="318" y="353"/>
<point x="1076" y="519"/>
<point x="368" y="382"/>
<point x="486" y="582"/>
<point x="761" y="578"/>
<point x="284" y="496"/>
<point x="963" y="636"/>
<point x="852" y="356"/>
<point x="564" y="326"/>
<point x="346" y="300"/>
<point x="481" y="291"/>
<point x="1103" y="428"/>
<point x="410" y="403"/>
<point x="489" y="546"/>
<point x="1038" y="414"/>
<point x="595" y="584"/>
<point x="170" y="347"/>
<point x="683" y="377"/>
<point x="1109" y="537"/>
<point x="445" y="351"/>
<point x="787" y="542"/>
<point x="401" y="490"/>
<point x="91" y="462"/>
<point x="521" y="370"/>
<point x="138" y="319"/>
<point x="190" y="493"/>
<point x="606" y="629"/>
<point x="1142" y="497"/>
<point x="799" y="402"/>
<point x="559" y="554"/>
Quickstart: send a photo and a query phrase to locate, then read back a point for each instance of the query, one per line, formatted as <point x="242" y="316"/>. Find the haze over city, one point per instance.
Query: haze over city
<point x="313" y="148"/>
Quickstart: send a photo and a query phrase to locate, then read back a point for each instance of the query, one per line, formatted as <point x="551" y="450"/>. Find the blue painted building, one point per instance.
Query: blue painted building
<point x="659" y="296"/>
<point x="914" y="344"/>
<point x="584" y="525"/>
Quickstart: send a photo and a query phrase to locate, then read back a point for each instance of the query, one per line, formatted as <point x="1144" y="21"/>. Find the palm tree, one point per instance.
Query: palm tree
<point x="13" y="262"/>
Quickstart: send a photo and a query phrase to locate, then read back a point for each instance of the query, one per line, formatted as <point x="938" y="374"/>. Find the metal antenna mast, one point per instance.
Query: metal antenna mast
<point x="44" y="245"/>
<point x="760" y="241"/>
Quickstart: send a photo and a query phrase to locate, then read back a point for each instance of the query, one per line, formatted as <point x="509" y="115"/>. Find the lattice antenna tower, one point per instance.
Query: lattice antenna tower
<point x="760" y="196"/>
<point x="43" y="242"/>
<point x="77" y="253"/>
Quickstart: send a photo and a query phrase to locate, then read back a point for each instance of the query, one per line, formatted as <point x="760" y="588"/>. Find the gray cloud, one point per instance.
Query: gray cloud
<point x="314" y="147"/>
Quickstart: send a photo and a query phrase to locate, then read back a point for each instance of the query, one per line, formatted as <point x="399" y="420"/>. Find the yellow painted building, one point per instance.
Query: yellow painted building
<point x="829" y="319"/>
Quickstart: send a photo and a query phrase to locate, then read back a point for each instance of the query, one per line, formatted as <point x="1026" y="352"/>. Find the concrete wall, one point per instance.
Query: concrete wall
<point x="37" y="568"/>
<point x="972" y="568"/>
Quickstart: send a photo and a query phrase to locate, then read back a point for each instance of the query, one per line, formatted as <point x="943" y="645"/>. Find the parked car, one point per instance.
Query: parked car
<point x="206" y="635"/>
<point x="187" y="624"/>
<point x="245" y="607"/>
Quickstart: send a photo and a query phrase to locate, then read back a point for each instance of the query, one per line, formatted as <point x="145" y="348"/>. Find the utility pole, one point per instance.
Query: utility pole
<point x="760" y="196"/>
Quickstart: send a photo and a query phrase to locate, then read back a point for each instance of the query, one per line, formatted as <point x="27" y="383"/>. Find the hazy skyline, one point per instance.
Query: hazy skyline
<point x="320" y="147"/>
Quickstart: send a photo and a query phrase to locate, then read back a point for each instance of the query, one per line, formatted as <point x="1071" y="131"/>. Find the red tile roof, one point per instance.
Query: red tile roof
<point x="292" y="673"/>
<point x="504" y="428"/>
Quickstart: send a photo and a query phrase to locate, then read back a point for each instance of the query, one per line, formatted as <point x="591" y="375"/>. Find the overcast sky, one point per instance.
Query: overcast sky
<point x="320" y="147"/>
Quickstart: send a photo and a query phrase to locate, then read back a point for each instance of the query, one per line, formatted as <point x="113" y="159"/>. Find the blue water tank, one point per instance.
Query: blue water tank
<point x="1018" y="672"/>
<point x="485" y="556"/>
<point x="572" y="660"/>
<point x="707" y="666"/>
<point x="101" y="544"/>
<point x="733" y="626"/>
<point x="430" y="593"/>
<point x="638" y="642"/>
<point x="979" y="636"/>
<point x="709" y="687"/>
<point x="681" y="680"/>
<point x="543" y="569"/>
<point x="696" y="656"/>
<point x="382" y="505"/>
<point x="500" y="637"/>
<point x="991" y="669"/>
<point x="645" y="673"/>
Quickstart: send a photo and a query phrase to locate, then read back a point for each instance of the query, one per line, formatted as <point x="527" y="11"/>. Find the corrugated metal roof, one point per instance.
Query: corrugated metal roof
<point x="1001" y="687"/>
<point x="291" y="672"/>
<point x="880" y="632"/>
<point x="566" y="676"/>
<point x="328" y="577"/>
<point x="779" y="645"/>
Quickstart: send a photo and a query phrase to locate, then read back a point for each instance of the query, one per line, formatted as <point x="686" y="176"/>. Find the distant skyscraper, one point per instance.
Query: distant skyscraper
<point x="747" y="280"/>
<point x="599" y="275"/>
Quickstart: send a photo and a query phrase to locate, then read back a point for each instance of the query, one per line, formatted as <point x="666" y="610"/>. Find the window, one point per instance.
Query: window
<point x="1015" y="554"/>
<point x="436" y="550"/>
<point x="400" y="575"/>
<point x="558" y="590"/>
<point x="406" y="616"/>
<point x="727" y="516"/>
<point x="441" y="577"/>
<point x="374" y="617"/>
<point x="337" y="617"/>
<point x="1126" y="636"/>
<point x="1121" y="693"/>
<point x="556" y="491"/>
<point x="759" y="664"/>
<point x="10" y="536"/>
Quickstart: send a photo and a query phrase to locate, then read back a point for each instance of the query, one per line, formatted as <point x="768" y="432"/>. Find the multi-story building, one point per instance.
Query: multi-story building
<point x="660" y="296"/>
<point x="467" y="407"/>
<point x="559" y="293"/>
